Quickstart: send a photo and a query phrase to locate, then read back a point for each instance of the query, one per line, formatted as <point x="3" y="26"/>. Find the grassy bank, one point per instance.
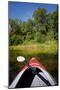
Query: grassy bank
<point x="46" y="48"/>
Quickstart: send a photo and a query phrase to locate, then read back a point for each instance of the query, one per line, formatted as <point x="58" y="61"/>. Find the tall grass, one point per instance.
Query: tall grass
<point x="46" y="48"/>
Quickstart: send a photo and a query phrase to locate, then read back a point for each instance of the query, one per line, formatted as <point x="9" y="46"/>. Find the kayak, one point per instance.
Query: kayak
<point x="34" y="74"/>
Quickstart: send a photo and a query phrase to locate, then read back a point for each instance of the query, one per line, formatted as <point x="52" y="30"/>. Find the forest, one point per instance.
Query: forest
<point x="43" y="27"/>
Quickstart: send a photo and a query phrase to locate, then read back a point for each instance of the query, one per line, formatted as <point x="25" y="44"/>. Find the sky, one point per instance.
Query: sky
<point x="23" y="11"/>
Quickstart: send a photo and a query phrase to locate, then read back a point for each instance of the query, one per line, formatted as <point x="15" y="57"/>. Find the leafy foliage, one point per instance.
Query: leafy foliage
<point x="43" y="27"/>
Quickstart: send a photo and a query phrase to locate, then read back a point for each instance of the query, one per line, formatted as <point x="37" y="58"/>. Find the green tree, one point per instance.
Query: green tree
<point x="42" y="27"/>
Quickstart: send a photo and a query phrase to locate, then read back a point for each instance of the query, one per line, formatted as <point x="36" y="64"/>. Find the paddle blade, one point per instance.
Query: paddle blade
<point x="20" y="59"/>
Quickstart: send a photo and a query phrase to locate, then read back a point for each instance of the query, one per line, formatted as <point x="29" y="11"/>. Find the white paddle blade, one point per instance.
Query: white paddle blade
<point x="20" y="59"/>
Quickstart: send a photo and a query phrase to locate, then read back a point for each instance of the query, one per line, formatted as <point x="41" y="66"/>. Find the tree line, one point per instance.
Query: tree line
<point x="41" y="28"/>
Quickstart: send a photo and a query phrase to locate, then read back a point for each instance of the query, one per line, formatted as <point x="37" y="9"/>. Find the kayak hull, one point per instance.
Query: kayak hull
<point x="27" y="78"/>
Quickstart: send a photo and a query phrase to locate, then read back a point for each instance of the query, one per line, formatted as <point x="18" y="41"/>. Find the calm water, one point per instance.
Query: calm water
<point x="49" y="61"/>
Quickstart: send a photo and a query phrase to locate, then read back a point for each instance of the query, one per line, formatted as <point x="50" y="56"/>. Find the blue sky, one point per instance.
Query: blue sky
<point x="23" y="11"/>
